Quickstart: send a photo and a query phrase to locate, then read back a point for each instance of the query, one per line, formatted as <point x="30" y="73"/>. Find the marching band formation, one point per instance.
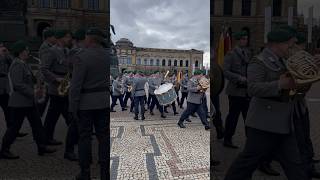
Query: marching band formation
<point x="162" y="90"/>
<point x="72" y="82"/>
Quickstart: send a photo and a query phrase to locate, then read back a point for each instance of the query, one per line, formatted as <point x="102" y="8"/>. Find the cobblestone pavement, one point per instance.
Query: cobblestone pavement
<point x="227" y="155"/>
<point x="157" y="148"/>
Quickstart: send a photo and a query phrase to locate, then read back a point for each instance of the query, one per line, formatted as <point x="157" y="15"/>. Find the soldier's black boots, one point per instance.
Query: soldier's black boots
<point x="207" y="127"/>
<point x="42" y="149"/>
<point x="267" y="169"/>
<point x="188" y="120"/>
<point x="6" y="154"/>
<point x="162" y="115"/>
<point x="142" y="117"/>
<point x="136" y="117"/>
<point x="220" y="132"/>
<point x="175" y="113"/>
<point x="21" y="134"/>
<point x="83" y="175"/>
<point x="228" y="143"/>
<point x="181" y="125"/>
<point x="151" y="113"/>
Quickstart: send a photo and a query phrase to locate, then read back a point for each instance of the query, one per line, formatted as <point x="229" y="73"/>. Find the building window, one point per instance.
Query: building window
<point x="276" y="7"/>
<point x="158" y="62"/>
<point x="181" y="63"/>
<point x="246" y="7"/>
<point x="129" y="60"/>
<point x="145" y="62"/>
<point x="44" y="3"/>
<point x="175" y="63"/>
<point x="93" y="4"/>
<point x="62" y="4"/>
<point x="169" y="62"/>
<point x="139" y="61"/>
<point x="163" y="62"/>
<point x="227" y="7"/>
<point x="151" y="62"/>
<point x="187" y="63"/>
<point x="196" y="64"/>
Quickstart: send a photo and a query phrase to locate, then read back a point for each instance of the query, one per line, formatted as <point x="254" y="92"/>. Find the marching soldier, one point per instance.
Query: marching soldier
<point x="154" y="83"/>
<point x="184" y="89"/>
<point x="269" y="121"/>
<point x="235" y="70"/>
<point x="171" y="80"/>
<point x="194" y="102"/>
<point x="55" y="69"/>
<point x="139" y="95"/>
<point x="89" y="101"/>
<point x="127" y="83"/>
<point x="117" y="94"/>
<point x="5" y="62"/>
<point x="22" y="103"/>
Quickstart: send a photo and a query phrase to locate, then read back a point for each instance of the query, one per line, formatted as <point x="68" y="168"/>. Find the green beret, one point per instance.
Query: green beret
<point x="18" y="47"/>
<point x="197" y="72"/>
<point x="80" y="34"/>
<point x="301" y="38"/>
<point x="61" y="33"/>
<point x="290" y="29"/>
<point x="95" y="31"/>
<point x="239" y="35"/>
<point x="279" y="35"/>
<point x="48" y="33"/>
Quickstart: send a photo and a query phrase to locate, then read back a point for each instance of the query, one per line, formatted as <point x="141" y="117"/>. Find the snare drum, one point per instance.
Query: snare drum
<point x="166" y="94"/>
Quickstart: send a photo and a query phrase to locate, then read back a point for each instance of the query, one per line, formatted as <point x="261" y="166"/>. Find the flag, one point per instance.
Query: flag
<point x="220" y="53"/>
<point x="310" y="24"/>
<point x="267" y="22"/>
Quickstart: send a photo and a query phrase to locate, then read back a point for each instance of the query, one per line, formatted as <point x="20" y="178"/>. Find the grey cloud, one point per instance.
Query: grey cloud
<point x="181" y="24"/>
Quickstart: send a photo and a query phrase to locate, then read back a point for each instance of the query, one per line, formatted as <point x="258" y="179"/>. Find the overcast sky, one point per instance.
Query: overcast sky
<point x="176" y="24"/>
<point x="303" y="6"/>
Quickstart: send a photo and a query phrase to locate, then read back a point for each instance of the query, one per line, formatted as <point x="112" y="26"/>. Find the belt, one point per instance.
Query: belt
<point x="277" y="99"/>
<point x="94" y="90"/>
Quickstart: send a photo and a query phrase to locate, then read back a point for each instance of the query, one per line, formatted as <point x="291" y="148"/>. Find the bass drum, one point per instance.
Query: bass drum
<point x="216" y="80"/>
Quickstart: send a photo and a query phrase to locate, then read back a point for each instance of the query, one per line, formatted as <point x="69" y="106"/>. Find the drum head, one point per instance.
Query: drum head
<point x="163" y="88"/>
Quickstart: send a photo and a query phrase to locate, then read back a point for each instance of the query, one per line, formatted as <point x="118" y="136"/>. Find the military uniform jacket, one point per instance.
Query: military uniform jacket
<point x="194" y="96"/>
<point x="89" y="86"/>
<point x="270" y="108"/>
<point x="235" y="69"/>
<point x="55" y="65"/>
<point x="154" y="83"/>
<point x="125" y="83"/>
<point x="138" y="86"/>
<point x="5" y="63"/>
<point x="22" y="85"/>
<point x="184" y="85"/>
<point x="116" y="88"/>
<point x="44" y="49"/>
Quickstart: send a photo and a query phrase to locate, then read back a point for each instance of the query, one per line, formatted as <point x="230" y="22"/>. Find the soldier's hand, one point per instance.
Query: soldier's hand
<point x="286" y="81"/>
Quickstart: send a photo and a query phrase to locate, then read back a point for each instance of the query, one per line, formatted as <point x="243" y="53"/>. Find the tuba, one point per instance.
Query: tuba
<point x="40" y="87"/>
<point x="64" y="85"/>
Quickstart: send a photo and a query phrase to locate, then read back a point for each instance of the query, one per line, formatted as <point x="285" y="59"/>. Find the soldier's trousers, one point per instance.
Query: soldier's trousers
<point x="149" y="100"/>
<point x="260" y="144"/>
<point x="217" y="121"/>
<point x="155" y="102"/>
<point x="114" y="101"/>
<point x="178" y="98"/>
<point x="59" y="106"/>
<point x="237" y="105"/>
<point x="126" y="97"/>
<point x="17" y="116"/>
<point x="184" y="95"/>
<point x="173" y="105"/>
<point x="301" y="122"/>
<point x="139" y="101"/>
<point x="4" y="99"/>
<point x="87" y="120"/>
<point x="191" y="108"/>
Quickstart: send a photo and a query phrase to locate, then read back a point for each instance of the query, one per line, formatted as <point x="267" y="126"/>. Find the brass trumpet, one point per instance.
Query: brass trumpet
<point x="64" y="85"/>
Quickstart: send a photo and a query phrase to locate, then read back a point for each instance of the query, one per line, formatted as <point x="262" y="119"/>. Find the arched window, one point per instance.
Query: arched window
<point x="93" y="4"/>
<point x="276" y="7"/>
<point x="196" y="64"/>
<point x="175" y="63"/>
<point x="139" y="61"/>
<point x="129" y="60"/>
<point x="151" y="62"/>
<point x="158" y="62"/>
<point x="227" y="7"/>
<point x="181" y="63"/>
<point x="145" y="62"/>
<point x="187" y="63"/>
<point x="163" y="62"/>
<point x="169" y="62"/>
<point x="246" y="7"/>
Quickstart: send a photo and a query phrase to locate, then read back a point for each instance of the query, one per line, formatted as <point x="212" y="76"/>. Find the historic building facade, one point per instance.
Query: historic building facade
<point x="249" y="15"/>
<point x="68" y="14"/>
<point x="154" y="59"/>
